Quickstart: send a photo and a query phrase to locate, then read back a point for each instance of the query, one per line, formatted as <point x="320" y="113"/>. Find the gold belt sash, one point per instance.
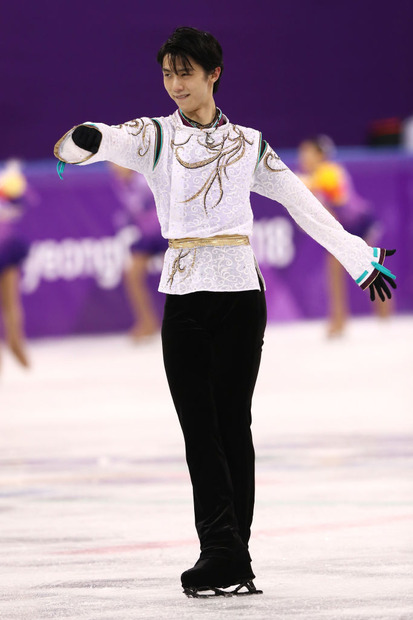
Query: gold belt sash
<point x="201" y="242"/>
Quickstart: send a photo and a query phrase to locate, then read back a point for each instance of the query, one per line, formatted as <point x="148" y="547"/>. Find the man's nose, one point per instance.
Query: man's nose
<point x="176" y="84"/>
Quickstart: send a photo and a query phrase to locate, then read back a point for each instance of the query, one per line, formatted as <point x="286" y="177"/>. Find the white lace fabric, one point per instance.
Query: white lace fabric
<point x="201" y="185"/>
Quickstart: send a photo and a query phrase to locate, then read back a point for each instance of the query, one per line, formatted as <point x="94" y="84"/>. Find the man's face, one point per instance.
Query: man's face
<point x="190" y="87"/>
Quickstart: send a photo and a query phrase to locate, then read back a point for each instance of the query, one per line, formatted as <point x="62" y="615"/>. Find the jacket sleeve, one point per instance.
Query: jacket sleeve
<point x="273" y="179"/>
<point x="131" y="145"/>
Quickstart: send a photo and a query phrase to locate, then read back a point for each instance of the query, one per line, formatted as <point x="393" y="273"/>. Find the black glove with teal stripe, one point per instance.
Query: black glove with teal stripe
<point x="382" y="277"/>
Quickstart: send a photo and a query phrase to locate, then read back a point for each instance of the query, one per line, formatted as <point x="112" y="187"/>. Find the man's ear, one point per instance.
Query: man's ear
<point x="215" y="74"/>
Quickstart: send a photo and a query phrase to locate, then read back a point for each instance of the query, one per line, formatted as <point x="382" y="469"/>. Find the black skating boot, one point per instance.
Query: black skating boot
<point x="214" y="573"/>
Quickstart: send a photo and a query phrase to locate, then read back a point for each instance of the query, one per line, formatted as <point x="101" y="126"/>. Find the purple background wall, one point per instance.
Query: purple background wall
<point x="291" y="68"/>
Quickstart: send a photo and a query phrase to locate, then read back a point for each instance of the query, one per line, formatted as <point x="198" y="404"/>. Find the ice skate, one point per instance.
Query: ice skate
<point x="16" y="346"/>
<point x="144" y="330"/>
<point x="218" y="576"/>
<point x="212" y="591"/>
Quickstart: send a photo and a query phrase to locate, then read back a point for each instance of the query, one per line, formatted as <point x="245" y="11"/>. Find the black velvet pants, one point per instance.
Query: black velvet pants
<point x="212" y="349"/>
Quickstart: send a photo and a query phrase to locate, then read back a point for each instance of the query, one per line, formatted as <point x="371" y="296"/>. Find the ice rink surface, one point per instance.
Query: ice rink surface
<point x="96" y="508"/>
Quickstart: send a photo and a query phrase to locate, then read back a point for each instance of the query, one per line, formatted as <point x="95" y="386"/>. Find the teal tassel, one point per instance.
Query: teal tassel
<point x="60" y="168"/>
<point x="383" y="269"/>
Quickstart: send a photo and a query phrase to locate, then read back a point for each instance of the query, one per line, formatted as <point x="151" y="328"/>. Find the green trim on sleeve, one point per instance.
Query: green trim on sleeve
<point x="158" y="142"/>
<point x="261" y="151"/>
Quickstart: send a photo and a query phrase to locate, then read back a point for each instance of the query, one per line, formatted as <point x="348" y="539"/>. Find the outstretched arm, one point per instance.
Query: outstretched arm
<point x="275" y="180"/>
<point x="131" y="145"/>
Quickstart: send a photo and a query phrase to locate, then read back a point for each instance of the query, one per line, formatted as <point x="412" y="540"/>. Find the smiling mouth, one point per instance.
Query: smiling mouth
<point x="180" y="97"/>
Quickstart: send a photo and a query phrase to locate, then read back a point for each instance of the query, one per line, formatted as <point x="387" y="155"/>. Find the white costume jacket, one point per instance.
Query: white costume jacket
<point x="201" y="180"/>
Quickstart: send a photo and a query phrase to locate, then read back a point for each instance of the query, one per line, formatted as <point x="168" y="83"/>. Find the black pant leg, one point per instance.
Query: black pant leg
<point x="212" y="347"/>
<point x="237" y="347"/>
<point x="187" y="351"/>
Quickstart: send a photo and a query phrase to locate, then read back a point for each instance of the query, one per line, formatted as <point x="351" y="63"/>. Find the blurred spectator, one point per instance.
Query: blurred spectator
<point x="332" y="185"/>
<point x="407" y="134"/>
<point x="385" y="132"/>
<point x="13" y="250"/>
<point x="139" y="210"/>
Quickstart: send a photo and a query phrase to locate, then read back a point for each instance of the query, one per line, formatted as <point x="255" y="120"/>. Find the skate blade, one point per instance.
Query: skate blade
<point x="212" y="592"/>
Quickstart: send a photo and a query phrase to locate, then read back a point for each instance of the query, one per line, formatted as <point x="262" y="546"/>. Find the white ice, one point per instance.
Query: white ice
<point x="96" y="510"/>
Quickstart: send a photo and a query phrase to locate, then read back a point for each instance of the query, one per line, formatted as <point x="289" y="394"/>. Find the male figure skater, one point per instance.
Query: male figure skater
<point x="201" y="169"/>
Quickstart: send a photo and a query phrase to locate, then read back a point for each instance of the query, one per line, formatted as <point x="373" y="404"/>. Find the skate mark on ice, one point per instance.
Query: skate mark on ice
<point x="282" y="531"/>
<point x="99" y="583"/>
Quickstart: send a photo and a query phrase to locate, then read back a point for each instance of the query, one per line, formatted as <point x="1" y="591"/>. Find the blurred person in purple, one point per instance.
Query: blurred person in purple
<point x="333" y="186"/>
<point x="135" y="196"/>
<point x="13" y="250"/>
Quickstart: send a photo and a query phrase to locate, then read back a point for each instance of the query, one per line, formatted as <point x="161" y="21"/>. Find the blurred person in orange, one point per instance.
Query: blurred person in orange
<point x="333" y="186"/>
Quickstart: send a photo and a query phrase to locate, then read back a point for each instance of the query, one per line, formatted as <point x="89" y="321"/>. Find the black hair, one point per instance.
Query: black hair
<point x="185" y="43"/>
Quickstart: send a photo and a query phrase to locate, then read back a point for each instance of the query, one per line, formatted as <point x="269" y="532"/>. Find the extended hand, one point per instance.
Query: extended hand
<point x="87" y="138"/>
<point x="379" y="285"/>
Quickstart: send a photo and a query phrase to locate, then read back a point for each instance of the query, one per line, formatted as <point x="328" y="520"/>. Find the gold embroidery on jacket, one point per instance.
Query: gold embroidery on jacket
<point x="141" y="128"/>
<point x="225" y="153"/>
<point x="181" y="143"/>
<point x="142" y="151"/>
<point x="176" y="266"/>
<point x="270" y="156"/>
